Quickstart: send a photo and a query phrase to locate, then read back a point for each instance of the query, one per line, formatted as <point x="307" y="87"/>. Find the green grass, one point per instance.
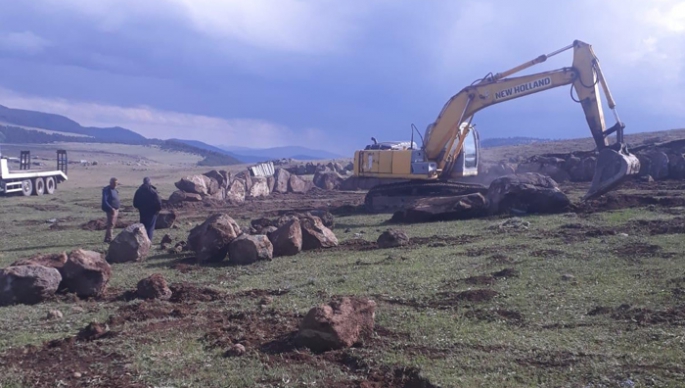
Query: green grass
<point x="555" y="343"/>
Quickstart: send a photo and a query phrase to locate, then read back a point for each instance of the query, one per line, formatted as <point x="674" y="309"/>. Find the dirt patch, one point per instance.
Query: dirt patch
<point x="432" y="241"/>
<point x="640" y="250"/>
<point x="185" y="292"/>
<point x="480" y="280"/>
<point x="70" y="362"/>
<point x="148" y="310"/>
<point x="509" y="316"/>
<point x="41" y="207"/>
<point x="614" y="201"/>
<point x="657" y="227"/>
<point x="546" y="253"/>
<point x="506" y="273"/>
<point x="449" y="299"/>
<point x="499" y="259"/>
<point x="642" y="316"/>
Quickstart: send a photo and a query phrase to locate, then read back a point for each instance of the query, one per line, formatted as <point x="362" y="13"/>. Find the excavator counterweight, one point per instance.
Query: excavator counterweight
<point x="450" y="148"/>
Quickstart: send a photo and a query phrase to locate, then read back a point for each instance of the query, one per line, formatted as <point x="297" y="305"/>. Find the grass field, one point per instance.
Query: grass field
<point x="587" y="299"/>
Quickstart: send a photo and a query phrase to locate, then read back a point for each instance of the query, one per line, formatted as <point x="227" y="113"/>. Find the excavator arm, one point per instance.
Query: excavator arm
<point x="443" y="145"/>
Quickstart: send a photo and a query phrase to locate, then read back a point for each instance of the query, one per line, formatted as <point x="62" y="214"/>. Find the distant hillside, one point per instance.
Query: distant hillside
<point x="59" y="123"/>
<point x="19" y="135"/>
<point x="205" y="146"/>
<point x="294" y="152"/>
<point x="510" y="141"/>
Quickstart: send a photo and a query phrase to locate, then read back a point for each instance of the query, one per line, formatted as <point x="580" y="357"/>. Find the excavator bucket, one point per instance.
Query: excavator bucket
<point x="613" y="167"/>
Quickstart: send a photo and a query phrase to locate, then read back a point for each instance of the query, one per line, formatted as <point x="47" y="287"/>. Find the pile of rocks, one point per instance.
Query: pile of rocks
<point x="657" y="161"/>
<point x="219" y="237"/>
<point x="33" y="280"/>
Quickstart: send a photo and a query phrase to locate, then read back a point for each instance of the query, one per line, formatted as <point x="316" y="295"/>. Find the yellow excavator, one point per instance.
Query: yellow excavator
<point x="451" y="144"/>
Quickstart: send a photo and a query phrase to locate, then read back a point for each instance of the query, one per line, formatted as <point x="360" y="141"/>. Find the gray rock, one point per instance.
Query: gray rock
<point x="210" y="240"/>
<point x="248" y="249"/>
<point x="28" y="284"/>
<point x="131" y="245"/>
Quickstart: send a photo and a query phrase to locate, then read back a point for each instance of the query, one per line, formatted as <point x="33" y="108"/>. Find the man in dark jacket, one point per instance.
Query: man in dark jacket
<point x="110" y="205"/>
<point x="148" y="203"/>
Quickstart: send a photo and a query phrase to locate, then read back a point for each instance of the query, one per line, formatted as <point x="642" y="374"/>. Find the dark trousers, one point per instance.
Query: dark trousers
<point x="149" y="220"/>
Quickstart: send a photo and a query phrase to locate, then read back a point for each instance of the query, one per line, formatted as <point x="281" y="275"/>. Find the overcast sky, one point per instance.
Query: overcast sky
<point x="329" y="74"/>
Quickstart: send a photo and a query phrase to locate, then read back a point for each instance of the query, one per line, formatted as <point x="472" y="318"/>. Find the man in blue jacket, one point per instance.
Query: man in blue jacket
<point x="110" y="205"/>
<point x="148" y="203"/>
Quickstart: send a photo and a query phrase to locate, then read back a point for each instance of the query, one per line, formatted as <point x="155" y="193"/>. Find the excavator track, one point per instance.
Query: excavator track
<point x="391" y="197"/>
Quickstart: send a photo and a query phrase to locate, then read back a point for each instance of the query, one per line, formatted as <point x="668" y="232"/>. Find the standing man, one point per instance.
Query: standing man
<point x="148" y="203"/>
<point x="110" y="205"/>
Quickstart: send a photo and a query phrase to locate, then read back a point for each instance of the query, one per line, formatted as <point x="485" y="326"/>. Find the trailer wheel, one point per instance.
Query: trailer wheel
<point x="39" y="186"/>
<point x="27" y="187"/>
<point x="50" y="185"/>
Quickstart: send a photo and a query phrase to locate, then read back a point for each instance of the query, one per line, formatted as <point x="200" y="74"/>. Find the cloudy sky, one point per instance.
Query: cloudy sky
<point x="329" y="74"/>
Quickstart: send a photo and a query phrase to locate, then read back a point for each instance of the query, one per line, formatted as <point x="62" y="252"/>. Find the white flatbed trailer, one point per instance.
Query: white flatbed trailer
<point x="32" y="182"/>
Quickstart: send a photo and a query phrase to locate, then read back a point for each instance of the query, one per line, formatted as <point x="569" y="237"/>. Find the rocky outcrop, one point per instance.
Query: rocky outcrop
<point x="131" y="245"/>
<point x="526" y="193"/>
<point x="248" y="249"/>
<point x="210" y="240"/>
<point x="340" y="324"/>
<point x="198" y="184"/>
<point x="28" y="284"/>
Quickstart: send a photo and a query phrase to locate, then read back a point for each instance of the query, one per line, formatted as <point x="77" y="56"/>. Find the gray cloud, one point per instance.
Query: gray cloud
<point x="347" y="70"/>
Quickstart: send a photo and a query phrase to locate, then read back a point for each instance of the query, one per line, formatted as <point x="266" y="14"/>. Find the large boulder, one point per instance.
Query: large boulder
<point x="655" y="163"/>
<point x="281" y="179"/>
<point x="287" y="239"/>
<point x="581" y="169"/>
<point x="676" y="165"/>
<point x="132" y="244"/>
<point x="527" y="193"/>
<point x="248" y="249"/>
<point x="327" y="180"/>
<point x="153" y="287"/>
<point x="392" y="238"/>
<point x="315" y="235"/>
<point x="325" y="216"/>
<point x="551" y="166"/>
<point x="27" y="284"/>
<point x="220" y="177"/>
<point x="165" y="220"/>
<point x="210" y="240"/>
<point x="298" y="185"/>
<point x="443" y="209"/>
<point x="86" y="273"/>
<point x="180" y="196"/>
<point x="259" y="188"/>
<point x="236" y="191"/>
<point x="197" y="184"/>
<point x="340" y="324"/>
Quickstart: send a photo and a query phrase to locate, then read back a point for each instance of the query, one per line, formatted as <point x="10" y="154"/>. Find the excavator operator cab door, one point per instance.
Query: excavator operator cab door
<point x="469" y="157"/>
